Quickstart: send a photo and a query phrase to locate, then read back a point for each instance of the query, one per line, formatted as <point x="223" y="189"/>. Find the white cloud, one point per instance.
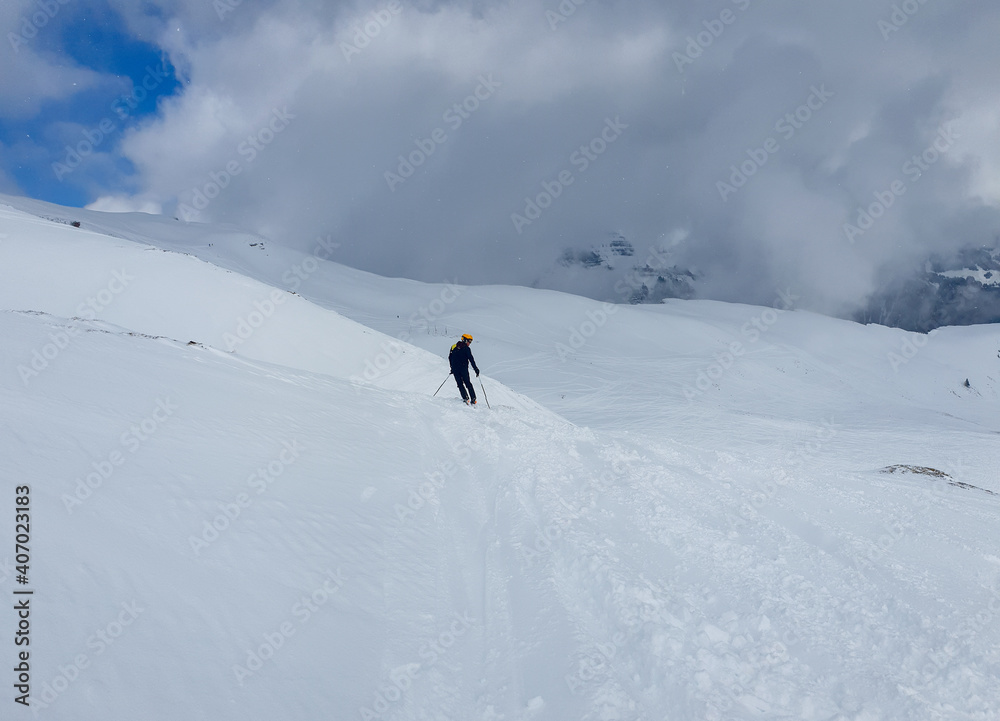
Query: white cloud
<point x="29" y="77"/>
<point x="125" y="204"/>
<point x="7" y="184"/>
<point x="355" y="116"/>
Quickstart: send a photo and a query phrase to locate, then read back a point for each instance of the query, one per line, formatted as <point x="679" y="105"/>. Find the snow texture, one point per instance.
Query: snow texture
<point x="246" y="503"/>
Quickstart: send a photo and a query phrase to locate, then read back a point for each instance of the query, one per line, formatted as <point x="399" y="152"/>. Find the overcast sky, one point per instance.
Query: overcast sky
<point x="628" y="116"/>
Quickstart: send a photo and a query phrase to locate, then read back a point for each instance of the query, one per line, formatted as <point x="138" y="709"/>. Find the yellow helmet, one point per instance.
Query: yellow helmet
<point x="467" y="338"/>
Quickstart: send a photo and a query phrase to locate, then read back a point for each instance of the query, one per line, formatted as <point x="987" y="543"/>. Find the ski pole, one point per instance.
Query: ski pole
<point x="484" y="393"/>
<point x="442" y="385"/>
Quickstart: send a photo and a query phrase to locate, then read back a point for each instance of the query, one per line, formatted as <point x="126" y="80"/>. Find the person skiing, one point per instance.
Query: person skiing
<point x="460" y="357"/>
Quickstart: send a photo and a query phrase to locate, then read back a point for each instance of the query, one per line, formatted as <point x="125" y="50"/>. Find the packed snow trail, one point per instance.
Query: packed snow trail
<point x="273" y="539"/>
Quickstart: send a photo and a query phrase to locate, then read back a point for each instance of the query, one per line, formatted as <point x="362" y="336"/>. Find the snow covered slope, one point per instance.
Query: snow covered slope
<point x="71" y="272"/>
<point x="684" y="511"/>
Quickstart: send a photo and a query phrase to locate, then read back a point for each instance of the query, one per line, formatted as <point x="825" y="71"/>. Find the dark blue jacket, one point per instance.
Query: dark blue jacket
<point x="460" y="357"/>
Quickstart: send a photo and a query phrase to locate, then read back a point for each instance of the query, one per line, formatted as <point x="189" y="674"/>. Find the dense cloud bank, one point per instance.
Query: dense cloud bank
<point x="824" y="148"/>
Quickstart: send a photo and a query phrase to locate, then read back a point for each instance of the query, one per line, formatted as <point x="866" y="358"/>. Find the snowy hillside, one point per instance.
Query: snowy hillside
<point x="247" y="504"/>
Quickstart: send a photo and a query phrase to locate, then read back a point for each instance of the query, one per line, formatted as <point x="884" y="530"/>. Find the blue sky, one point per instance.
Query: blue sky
<point x="93" y="36"/>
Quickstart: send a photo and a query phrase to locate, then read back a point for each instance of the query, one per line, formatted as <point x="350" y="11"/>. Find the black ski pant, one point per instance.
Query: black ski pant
<point x="464" y="382"/>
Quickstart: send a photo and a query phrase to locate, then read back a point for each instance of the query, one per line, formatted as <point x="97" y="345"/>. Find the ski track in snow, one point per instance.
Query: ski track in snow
<point x="737" y="556"/>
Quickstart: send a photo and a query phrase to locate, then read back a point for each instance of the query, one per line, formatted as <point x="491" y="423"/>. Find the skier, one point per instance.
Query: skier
<point x="460" y="357"/>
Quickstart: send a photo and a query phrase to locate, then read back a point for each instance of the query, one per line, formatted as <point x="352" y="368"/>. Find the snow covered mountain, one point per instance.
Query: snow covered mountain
<point x="614" y="271"/>
<point x="964" y="290"/>
<point x="246" y="502"/>
<point x="979" y="264"/>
